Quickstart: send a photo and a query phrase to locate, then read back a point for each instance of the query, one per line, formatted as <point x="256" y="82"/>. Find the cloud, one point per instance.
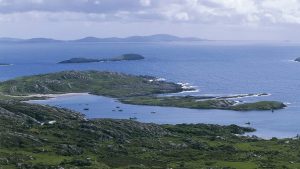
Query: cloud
<point x="37" y="1"/>
<point x="193" y="11"/>
<point x="145" y="2"/>
<point x="37" y="16"/>
<point x="214" y="17"/>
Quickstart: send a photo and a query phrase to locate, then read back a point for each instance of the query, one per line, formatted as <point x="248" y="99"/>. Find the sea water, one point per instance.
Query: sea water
<point x="214" y="68"/>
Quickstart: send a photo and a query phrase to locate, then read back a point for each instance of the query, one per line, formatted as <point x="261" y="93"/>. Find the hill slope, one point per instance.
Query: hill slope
<point x="34" y="136"/>
<point x="99" y="83"/>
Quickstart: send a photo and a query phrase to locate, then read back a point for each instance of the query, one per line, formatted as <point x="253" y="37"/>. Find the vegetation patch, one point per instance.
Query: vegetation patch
<point x="28" y="141"/>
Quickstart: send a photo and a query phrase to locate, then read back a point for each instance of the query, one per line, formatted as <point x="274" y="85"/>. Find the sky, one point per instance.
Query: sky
<point x="209" y="19"/>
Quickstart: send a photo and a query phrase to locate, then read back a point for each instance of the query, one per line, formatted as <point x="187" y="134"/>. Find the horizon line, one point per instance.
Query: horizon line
<point x="175" y="36"/>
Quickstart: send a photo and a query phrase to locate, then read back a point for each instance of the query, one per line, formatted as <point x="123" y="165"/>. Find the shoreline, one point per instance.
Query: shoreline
<point x="47" y="95"/>
<point x="55" y="96"/>
<point x="229" y="96"/>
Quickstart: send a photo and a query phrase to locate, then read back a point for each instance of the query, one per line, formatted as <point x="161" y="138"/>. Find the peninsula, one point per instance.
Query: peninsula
<point x="124" y="57"/>
<point x="139" y="90"/>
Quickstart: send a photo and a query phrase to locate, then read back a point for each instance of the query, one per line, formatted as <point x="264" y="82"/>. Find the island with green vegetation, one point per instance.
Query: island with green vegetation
<point x="43" y="137"/>
<point x="139" y="90"/>
<point x="79" y="60"/>
<point x="298" y="59"/>
<point x="124" y="57"/>
<point x="196" y="103"/>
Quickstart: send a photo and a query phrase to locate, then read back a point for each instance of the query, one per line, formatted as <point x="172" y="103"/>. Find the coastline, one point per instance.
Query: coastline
<point x="55" y="100"/>
<point x="46" y="95"/>
<point x="57" y="95"/>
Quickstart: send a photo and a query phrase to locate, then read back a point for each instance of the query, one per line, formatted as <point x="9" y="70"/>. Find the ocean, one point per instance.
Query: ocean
<point x="213" y="67"/>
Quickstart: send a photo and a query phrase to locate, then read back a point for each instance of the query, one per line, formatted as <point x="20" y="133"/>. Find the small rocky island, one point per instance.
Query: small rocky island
<point x="298" y="59"/>
<point x="124" y="57"/>
<point x="4" y="64"/>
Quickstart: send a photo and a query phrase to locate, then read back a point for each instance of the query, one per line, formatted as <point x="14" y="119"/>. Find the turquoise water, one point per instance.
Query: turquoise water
<point x="215" y="68"/>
